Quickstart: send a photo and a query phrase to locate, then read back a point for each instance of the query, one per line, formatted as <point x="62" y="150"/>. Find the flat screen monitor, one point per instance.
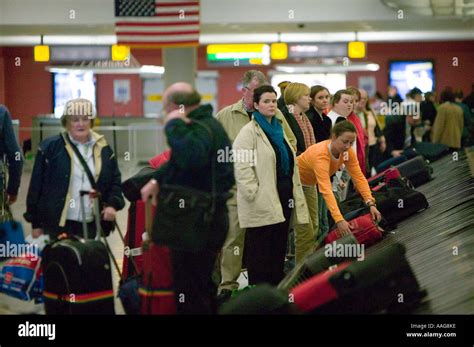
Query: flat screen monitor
<point x="406" y="75"/>
<point x="70" y="85"/>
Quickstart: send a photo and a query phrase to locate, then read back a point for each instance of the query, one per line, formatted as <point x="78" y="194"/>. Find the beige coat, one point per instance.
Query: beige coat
<point x="258" y="202"/>
<point x="233" y="118"/>
<point x="448" y="125"/>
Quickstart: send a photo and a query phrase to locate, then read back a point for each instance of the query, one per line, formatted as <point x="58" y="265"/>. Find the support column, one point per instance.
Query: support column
<point x="180" y="65"/>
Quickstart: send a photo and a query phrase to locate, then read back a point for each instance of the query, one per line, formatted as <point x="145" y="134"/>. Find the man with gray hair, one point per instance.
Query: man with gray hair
<point x="233" y="118"/>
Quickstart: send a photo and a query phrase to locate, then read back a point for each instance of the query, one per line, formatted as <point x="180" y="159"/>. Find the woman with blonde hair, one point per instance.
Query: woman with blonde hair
<point x="297" y="97"/>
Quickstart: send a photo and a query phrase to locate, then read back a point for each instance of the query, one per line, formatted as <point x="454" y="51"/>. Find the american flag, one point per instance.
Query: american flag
<point x="157" y="23"/>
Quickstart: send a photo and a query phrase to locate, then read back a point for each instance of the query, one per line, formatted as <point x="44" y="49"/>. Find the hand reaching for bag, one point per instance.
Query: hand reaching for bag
<point x="150" y="189"/>
<point x="344" y="228"/>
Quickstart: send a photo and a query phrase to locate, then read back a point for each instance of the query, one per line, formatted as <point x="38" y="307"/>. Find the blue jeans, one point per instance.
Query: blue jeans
<point x="323" y="216"/>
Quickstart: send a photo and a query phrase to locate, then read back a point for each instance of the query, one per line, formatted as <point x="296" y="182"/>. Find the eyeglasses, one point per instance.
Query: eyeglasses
<point x="250" y="90"/>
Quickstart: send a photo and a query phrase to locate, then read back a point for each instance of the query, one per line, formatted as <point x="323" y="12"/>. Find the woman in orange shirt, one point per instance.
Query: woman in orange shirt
<point x="320" y="161"/>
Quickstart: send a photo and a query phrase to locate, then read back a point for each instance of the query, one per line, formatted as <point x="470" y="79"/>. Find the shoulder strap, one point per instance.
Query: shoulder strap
<point x="213" y="163"/>
<point x="82" y="161"/>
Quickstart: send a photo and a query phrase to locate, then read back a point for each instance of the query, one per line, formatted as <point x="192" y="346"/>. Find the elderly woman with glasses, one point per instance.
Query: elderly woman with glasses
<point x="53" y="201"/>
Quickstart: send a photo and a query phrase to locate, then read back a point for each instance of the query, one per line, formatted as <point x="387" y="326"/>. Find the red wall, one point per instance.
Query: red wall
<point x="27" y="89"/>
<point x="105" y="96"/>
<point x="442" y="53"/>
<point x="28" y="86"/>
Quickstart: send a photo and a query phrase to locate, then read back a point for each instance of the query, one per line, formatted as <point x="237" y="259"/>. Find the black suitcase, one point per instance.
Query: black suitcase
<point x="383" y="283"/>
<point x="396" y="201"/>
<point x="316" y="263"/>
<point x="77" y="275"/>
<point x="416" y="170"/>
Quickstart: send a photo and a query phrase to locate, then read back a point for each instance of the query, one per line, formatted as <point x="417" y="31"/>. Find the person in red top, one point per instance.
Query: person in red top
<point x="362" y="137"/>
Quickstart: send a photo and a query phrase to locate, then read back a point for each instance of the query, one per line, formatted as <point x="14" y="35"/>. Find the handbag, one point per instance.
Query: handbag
<point x="184" y="215"/>
<point x="107" y="226"/>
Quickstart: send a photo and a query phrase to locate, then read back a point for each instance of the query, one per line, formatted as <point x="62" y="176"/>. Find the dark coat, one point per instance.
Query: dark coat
<point x="321" y="124"/>
<point x="300" y="143"/>
<point x="50" y="181"/>
<point x="192" y="150"/>
<point x="11" y="150"/>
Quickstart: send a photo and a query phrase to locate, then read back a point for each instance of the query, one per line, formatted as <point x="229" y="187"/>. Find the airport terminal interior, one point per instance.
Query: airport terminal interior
<point x="123" y="56"/>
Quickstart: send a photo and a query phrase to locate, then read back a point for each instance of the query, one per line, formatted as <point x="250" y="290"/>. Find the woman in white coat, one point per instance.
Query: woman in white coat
<point x="269" y="192"/>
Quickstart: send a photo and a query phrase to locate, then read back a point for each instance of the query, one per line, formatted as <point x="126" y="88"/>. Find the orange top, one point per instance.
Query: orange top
<point x="317" y="165"/>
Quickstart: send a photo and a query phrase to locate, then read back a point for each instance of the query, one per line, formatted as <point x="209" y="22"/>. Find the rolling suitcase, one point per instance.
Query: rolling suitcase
<point x="364" y="229"/>
<point x="136" y="215"/>
<point x="77" y="275"/>
<point x="156" y="289"/>
<point x="416" y="170"/>
<point x="383" y="282"/>
<point x="318" y="262"/>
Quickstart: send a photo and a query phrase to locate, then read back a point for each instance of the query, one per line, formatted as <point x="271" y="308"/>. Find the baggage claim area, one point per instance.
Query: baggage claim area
<point x="331" y="142"/>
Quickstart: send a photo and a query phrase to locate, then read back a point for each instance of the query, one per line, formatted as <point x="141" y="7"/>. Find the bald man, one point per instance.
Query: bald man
<point x="192" y="152"/>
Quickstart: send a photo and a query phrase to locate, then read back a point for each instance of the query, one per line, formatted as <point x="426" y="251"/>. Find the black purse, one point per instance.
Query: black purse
<point x="107" y="226"/>
<point x="184" y="216"/>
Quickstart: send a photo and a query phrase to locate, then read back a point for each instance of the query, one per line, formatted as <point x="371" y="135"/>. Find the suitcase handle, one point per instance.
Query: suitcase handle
<point x="99" y="232"/>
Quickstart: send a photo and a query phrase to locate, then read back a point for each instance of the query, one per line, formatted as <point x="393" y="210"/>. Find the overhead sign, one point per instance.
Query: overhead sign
<point x="80" y="53"/>
<point x="239" y="54"/>
<point x="317" y="50"/>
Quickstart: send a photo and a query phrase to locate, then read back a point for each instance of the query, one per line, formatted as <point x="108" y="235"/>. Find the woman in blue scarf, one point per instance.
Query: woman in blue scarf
<point x="269" y="191"/>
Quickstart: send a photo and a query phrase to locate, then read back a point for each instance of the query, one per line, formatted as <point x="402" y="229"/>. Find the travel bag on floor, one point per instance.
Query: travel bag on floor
<point x="157" y="296"/>
<point x="136" y="215"/>
<point x="77" y="273"/>
<point x="383" y="282"/>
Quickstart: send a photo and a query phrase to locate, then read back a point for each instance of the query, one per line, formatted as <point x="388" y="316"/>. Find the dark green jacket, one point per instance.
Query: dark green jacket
<point x="191" y="152"/>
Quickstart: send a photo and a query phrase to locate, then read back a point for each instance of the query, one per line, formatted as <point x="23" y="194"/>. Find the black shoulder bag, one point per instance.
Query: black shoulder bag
<point x="107" y="226"/>
<point x="184" y="215"/>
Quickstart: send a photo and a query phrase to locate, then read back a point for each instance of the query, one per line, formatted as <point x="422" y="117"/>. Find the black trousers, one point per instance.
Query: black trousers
<point x="375" y="157"/>
<point x="265" y="246"/>
<point x="195" y="292"/>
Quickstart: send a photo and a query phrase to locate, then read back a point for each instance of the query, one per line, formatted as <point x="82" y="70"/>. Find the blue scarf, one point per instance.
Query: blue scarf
<point x="275" y="131"/>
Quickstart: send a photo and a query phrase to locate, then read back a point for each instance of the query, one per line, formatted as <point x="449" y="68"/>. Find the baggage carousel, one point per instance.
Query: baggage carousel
<point x="439" y="241"/>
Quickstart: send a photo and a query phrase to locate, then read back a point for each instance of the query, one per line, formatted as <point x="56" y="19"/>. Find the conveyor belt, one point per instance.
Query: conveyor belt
<point x="431" y="238"/>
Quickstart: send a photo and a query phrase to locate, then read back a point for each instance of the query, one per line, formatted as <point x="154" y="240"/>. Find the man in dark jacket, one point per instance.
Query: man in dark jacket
<point x="192" y="152"/>
<point x="11" y="153"/>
